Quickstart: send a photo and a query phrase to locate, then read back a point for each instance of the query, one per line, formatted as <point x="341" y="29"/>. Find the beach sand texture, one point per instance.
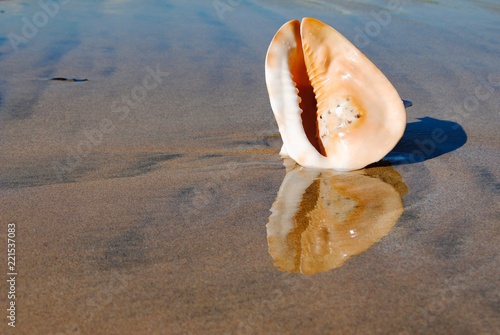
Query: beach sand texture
<point x="142" y="197"/>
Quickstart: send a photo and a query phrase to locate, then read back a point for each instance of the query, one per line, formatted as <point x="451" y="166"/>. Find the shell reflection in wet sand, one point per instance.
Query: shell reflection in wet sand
<point x="320" y="218"/>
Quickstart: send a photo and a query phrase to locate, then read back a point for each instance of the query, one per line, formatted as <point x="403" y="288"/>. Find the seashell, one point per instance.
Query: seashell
<point x="334" y="108"/>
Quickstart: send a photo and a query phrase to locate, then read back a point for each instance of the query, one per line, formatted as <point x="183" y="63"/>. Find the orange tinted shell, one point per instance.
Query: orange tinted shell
<point x="334" y="108"/>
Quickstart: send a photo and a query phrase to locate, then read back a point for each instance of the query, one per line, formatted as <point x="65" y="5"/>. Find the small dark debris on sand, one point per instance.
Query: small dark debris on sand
<point x="66" y="79"/>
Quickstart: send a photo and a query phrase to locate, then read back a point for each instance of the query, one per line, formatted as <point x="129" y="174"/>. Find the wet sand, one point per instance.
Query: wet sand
<point x="142" y="197"/>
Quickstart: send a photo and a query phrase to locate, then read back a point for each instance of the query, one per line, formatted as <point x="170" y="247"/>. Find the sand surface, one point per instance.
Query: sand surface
<point x="141" y="197"/>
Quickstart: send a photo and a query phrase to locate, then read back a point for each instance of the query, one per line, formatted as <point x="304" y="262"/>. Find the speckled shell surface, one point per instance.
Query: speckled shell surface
<point x="334" y="108"/>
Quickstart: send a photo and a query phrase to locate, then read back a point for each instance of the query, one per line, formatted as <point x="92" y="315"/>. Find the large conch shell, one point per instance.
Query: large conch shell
<point x="334" y="108"/>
